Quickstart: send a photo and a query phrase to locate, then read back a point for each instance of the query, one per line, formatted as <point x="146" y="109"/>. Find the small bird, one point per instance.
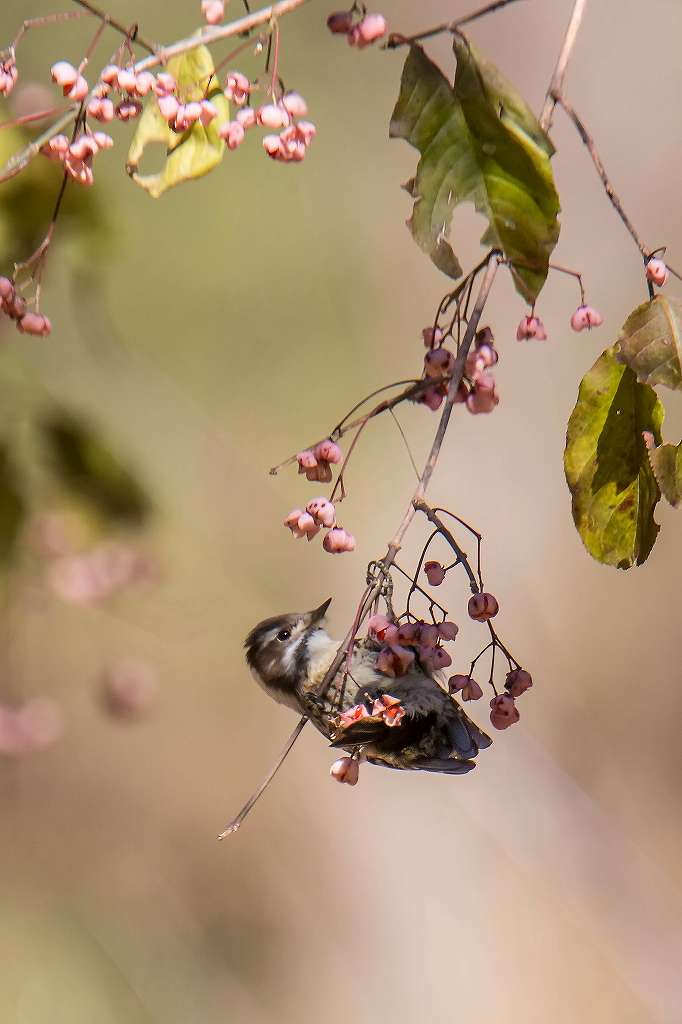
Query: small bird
<point x="409" y="723"/>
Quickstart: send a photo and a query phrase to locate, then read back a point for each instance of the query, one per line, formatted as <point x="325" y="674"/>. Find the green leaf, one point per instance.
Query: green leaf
<point x="88" y="468"/>
<point x="607" y="469"/>
<point x="480" y="143"/>
<point x="12" y="505"/>
<point x="190" y="154"/>
<point x="651" y="342"/>
<point x="666" y="463"/>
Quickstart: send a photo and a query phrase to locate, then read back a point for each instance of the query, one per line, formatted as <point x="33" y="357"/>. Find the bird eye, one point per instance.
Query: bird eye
<point x="283" y="635"/>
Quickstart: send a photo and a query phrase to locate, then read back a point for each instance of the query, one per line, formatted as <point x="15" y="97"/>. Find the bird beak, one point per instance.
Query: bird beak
<point x="312" y="618"/>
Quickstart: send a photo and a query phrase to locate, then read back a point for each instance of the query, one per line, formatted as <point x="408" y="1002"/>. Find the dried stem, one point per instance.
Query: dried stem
<point x="396" y="39"/>
<point x="234" y="824"/>
<point x="556" y="85"/>
<point x="130" y="33"/>
<point x="421" y="506"/>
<point x="601" y="171"/>
<point x="42" y="22"/>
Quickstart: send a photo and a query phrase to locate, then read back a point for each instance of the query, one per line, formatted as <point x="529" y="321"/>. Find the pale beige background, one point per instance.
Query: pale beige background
<point x="251" y="310"/>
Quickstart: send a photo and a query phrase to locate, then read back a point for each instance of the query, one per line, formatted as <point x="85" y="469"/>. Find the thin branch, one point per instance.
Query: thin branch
<point x="601" y="171"/>
<point x="19" y="161"/>
<point x="556" y="85"/>
<point x="130" y="33"/>
<point x="421" y="506"/>
<point x="234" y="824"/>
<point x="42" y="22"/>
<point x="396" y="39"/>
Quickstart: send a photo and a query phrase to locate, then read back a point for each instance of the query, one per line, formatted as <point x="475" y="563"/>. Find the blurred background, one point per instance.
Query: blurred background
<point x="209" y="334"/>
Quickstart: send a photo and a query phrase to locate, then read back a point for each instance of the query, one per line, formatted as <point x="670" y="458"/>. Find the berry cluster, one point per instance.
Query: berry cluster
<point x="181" y="116"/>
<point x="317" y="464"/>
<point x="477" y="389"/>
<point x="8" y="75"/>
<point x="293" y="136"/>
<point x="360" y="31"/>
<point x="15" y="307"/>
<point x="404" y="643"/>
<point x="90" y="578"/>
<point x="77" y="156"/>
<point x="503" y="711"/>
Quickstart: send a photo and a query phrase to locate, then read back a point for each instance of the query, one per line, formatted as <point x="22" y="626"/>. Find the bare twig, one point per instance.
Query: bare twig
<point x="556" y="85"/>
<point x="396" y="39"/>
<point x="234" y="824"/>
<point x="601" y="171"/>
<point x="130" y="32"/>
<point x="421" y="506"/>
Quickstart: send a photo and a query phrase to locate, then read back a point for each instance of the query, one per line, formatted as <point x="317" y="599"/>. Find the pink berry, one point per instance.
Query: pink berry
<point x="433" y="398"/>
<point x="432" y="336"/>
<point x="294" y="104"/>
<point x="7" y="291"/>
<point x="272" y="116"/>
<point x="64" y="75"/>
<point x="482" y="607"/>
<point x="246" y="117"/>
<point x="34" y="323"/>
<point x="447" y="630"/>
<point x="504" y="712"/>
<point x="435" y="573"/>
<point x="306" y="460"/>
<point x="408" y="634"/>
<point x="208" y="113"/>
<point x="437" y="659"/>
<point x="338" y="541"/>
<point x="347" y="770"/>
<point x="467" y="687"/>
<point x="126" y="80"/>
<point x="102" y="109"/>
<point x="531" y="327"/>
<point x="168" y="105"/>
<point x="428" y="635"/>
<point x="213" y="11"/>
<point x="322" y="511"/>
<point x="165" y="84"/>
<point x="127" y="110"/>
<point x="129" y="688"/>
<point x="438" y="362"/>
<point x="110" y="74"/>
<point x="394" y="661"/>
<point x="352" y="715"/>
<point x="483" y="396"/>
<point x="237" y="88"/>
<point x="233" y="133"/>
<point x="518" y="681"/>
<point x="307" y="526"/>
<point x="328" y="451"/>
<point x="657" y="272"/>
<point x="389" y="709"/>
<point x="307" y="131"/>
<point x="371" y="28"/>
<point x="272" y="145"/>
<point x="144" y="82"/>
<point x="380" y="627"/>
<point x="586" y="316"/>
<point x="340" y="22"/>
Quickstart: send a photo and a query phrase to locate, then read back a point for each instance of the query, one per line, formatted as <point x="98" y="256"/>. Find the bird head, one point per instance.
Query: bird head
<point x="279" y="650"/>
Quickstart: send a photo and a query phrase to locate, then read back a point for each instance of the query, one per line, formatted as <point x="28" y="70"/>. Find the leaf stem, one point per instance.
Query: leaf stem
<point x="395" y="39"/>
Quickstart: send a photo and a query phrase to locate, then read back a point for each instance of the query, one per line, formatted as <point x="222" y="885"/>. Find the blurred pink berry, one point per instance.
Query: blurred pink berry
<point x="213" y="11"/>
<point x="8" y="75"/>
<point x="518" y="681"/>
<point x="272" y="145"/>
<point x="322" y="511"/>
<point x="109" y="74"/>
<point x="165" y="84"/>
<point x="447" y="630"/>
<point x="208" y="113"/>
<point x="272" y="116"/>
<point x="34" y="323"/>
<point x="340" y="22"/>
<point x="435" y="573"/>
<point x="237" y="88"/>
<point x="346" y="769"/>
<point x="78" y="91"/>
<point x="126" y="80"/>
<point x="306" y="460"/>
<point x="352" y="715"/>
<point x="7" y="291"/>
<point x="482" y="607"/>
<point x="483" y="396"/>
<point x="504" y="712"/>
<point x="437" y="658"/>
<point x="394" y="661"/>
<point x="389" y="709"/>
<point x="294" y="104"/>
<point x="233" y="133"/>
<point x="408" y="633"/>
<point x="371" y="28"/>
<point x="428" y="634"/>
<point x="102" y="109"/>
<point x="144" y="82"/>
<point x="586" y="316"/>
<point x="328" y="451"/>
<point x="338" y="541"/>
<point x="307" y="131"/>
<point x="433" y="398"/>
<point x="657" y="272"/>
<point x="64" y="75"/>
<point x="438" y="362"/>
<point x="380" y="627"/>
<point x="479" y="360"/>
<point x="246" y="117"/>
<point x="127" y="110"/>
<point x="467" y="687"/>
<point x="531" y="327"/>
<point x="129" y="688"/>
<point x="432" y="336"/>
<point x="307" y="526"/>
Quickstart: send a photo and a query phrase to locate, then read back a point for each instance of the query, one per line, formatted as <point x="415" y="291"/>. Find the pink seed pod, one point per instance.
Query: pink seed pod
<point x="408" y="634"/>
<point x="472" y="691"/>
<point x="482" y="607"/>
<point x="306" y="460"/>
<point x="213" y="11"/>
<point x="17" y="308"/>
<point x="371" y="28"/>
<point x="338" y="541"/>
<point x="458" y="682"/>
<point x="586" y="316"/>
<point x="126" y="80"/>
<point x="144" y="82"/>
<point x="389" y="709"/>
<point x="432" y="336"/>
<point x="503" y="711"/>
<point x="435" y="573"/>
<point x="233" y="133"/>
<point x="208" y="113"/>
<point x="328" y="451"/>
<point x="272" y="145"/>
<point x="291" y="522"/>
<point x="379" y="626"/>
<point x="484" y="336"/>
<point x="165" y="84"/>
<point x="168" y="105"/>
<point x="128" y="110"/>
<point x="347" y="770"/>
<point x="8" y="77"/>
<point x="246" y="117"/>
<point x="80" y="171"/>
<point x="321" y="474"/>
<point x="483" y="397"/>
<point x="272" y="116"/>
<point x="64" y="75"/>
<point x="340" y="22"/>
<point x="103" y="140"/>
<point x="437" y="659"/>
<point x="34" y="323"/>
<point x="128" y="689"/>
<point x="322" y="511"/>
<point x="428" y="635"/>
<point x="531" y="327"/>
<point x="433" y="398"/>
<point x="83" y="147"/>
<point x="307" y="131"/>
<point x="79" y="90"/>
<point x="237" y="88"/>
<point x="109" y="74"/>
<point x="352" y="715"/>
<point x="438" y="362"/>
<point x="294" y="104"/>
<point x="656" y="272"/>
<point x="394" y="661"/>
<point x="7" y="290"/>
<point x="307" y="526"/>
<point x="518" y="681"/>
<point x="192" y="111"/>
<point x="102" y="110"/>
<point x="447" y="630"/>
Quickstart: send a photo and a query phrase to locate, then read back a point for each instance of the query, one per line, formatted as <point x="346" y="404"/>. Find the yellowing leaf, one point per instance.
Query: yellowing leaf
<point x="651" y="342"/>
<point x="666" y="462"/>
<point x="189" y="154"/>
